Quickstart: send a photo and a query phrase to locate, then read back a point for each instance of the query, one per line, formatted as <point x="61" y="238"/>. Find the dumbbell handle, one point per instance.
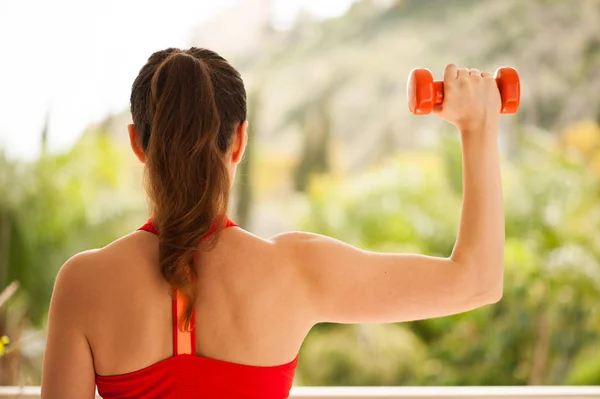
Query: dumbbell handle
<point x="424" y="92"/>
<point x="439" y="92"/>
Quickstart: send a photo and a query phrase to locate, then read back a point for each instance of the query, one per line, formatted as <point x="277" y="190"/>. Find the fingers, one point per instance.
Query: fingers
<point x="450" y="73"/>
<point x="462" y="72"/>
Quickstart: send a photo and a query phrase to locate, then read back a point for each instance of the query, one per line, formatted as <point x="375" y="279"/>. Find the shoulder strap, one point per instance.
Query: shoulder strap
<point x="149" y="227"/>
<point x="184" y="342"/>
<point x="230" y="223"/>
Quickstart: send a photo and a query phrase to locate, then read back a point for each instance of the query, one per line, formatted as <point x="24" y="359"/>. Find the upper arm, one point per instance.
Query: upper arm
<point x="345" y="284"/>
<point x="68" y="370"/>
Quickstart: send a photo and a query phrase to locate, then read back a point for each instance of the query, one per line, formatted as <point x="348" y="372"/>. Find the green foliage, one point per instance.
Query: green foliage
<point x="244" y="184"/>
<point x="586" y="369"/>
<point x="315" y="120"/>
<point x="400" y="206"/>
<point x="51" y="209"/>
<point x="553" y="44"/>
<point x="361" y="355"/>
<point x="549" y="314"/>
<point x="59" y="205"/>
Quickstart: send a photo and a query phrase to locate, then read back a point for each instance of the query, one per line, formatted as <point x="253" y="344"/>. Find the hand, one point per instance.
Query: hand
<point x="471" y="99"/>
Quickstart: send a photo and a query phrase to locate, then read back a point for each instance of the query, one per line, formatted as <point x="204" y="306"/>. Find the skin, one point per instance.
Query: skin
<point x="111" y="312"/>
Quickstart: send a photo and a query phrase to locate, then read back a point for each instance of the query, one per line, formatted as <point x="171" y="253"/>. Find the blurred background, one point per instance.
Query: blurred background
<point x="334" y="150"/>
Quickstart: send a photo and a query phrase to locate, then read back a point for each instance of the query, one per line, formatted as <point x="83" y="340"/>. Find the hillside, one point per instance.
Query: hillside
<point x="337" y="87"/>
<point x="367" y="54"/>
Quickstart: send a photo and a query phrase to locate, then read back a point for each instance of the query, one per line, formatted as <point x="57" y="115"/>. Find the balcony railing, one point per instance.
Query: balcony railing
<point x="527" y="392"/>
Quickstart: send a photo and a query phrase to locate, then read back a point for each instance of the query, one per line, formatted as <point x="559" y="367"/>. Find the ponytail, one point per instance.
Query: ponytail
<point x="187" y="178"/>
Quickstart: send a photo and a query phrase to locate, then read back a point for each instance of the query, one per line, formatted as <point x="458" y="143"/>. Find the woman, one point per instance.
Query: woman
<point x="191" y="306"/>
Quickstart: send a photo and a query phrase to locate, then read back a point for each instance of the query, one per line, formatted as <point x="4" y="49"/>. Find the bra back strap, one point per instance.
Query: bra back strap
<point x="184" y="342"/>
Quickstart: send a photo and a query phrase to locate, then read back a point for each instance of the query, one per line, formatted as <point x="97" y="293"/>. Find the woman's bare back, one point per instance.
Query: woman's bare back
<point x="247" y="311"/>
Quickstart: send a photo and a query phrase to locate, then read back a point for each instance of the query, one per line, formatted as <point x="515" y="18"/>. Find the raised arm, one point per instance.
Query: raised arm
<point x="341" y="283"/>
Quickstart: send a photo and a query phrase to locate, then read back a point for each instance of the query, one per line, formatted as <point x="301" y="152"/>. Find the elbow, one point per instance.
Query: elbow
<point x="482" y="296"/>
<point x="495" y="279"/>
<point x="495" y="295"/>
<point x="492" y="286"/>
<point x="485" y="280"/>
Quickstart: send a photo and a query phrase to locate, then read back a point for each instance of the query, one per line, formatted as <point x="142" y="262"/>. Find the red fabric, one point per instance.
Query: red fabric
<point x="188" y="376"/>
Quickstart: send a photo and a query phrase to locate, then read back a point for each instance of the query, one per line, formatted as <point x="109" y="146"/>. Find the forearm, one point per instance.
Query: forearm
<point x="480" y="241"/>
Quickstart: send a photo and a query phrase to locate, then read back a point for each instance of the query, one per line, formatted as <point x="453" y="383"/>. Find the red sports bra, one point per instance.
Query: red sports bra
<point x="186" y="375"/>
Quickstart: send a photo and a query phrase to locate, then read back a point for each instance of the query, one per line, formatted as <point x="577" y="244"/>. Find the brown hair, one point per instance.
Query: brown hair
<point x="185" y="106"/>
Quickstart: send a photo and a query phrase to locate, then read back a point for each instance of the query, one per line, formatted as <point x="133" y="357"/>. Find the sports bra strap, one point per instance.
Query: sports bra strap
<point x="184" y="342"/>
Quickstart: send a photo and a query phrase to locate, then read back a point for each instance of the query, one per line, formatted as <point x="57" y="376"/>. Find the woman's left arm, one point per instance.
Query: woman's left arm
<point x="68" y="370"/>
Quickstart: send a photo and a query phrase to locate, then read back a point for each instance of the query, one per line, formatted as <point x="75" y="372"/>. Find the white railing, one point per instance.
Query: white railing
<point x="526" y="392"/>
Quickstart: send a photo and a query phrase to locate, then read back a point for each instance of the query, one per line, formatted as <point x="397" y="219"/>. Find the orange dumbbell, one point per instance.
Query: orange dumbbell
<point x="423" y="92"/>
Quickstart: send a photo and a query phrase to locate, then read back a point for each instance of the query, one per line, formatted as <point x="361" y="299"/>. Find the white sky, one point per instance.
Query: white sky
<point x="78" y="58"/>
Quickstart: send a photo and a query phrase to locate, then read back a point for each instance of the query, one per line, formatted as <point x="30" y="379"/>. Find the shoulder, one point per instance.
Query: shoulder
<point x="311" y="252"/>
<point x="97" y="262"/>
<point x="293" y="240"/>
<point x="82" y="279"/>
<point x="75" y="274"/>
<point x="73" y="290"/>
<point x="292" y="244"/>
<point x="88" y="268"/>
<point x="77" y="266"/>
<point x="303" y="243"/>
